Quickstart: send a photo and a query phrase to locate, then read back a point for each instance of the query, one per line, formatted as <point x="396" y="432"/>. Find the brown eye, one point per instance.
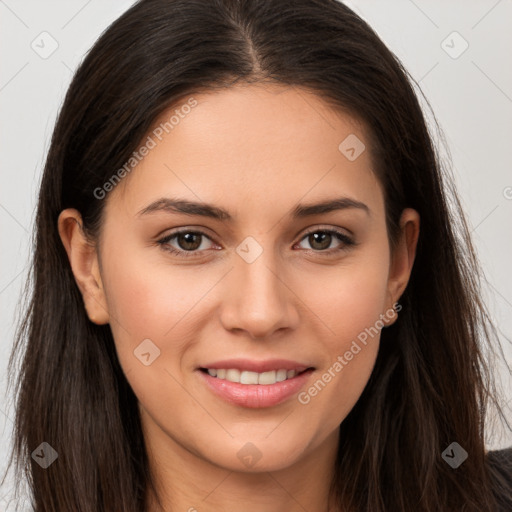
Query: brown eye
<point x="189" y="241"/>
<point x="321" y="241"/>
<point x="186" y="243"/>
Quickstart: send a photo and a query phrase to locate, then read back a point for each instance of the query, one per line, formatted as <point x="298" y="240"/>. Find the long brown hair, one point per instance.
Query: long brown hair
<point x="432" y="382"/>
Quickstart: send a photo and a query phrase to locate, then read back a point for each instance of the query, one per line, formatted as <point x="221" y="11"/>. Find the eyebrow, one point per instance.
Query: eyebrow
<point x="172" y="205"/>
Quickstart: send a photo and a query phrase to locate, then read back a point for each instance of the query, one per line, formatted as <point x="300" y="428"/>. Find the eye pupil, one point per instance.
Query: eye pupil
<point x="320" y="237"/>
<point x="186" y="241"/>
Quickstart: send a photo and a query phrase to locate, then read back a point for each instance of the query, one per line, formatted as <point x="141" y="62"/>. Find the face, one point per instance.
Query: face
<point x="256" y="283"/>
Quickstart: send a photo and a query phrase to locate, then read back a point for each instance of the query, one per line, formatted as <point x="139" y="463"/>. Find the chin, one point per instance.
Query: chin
<point x="258" y="456"/>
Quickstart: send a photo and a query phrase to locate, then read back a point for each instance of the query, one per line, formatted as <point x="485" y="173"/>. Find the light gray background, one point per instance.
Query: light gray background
<point x="471" y="96"/>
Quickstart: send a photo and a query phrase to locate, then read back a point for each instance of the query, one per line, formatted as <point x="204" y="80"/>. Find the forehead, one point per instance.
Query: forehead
<point x="260" y="145"/>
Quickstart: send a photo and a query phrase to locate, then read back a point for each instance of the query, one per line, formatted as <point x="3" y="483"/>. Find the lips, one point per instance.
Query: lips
<point x="255" y="384"/>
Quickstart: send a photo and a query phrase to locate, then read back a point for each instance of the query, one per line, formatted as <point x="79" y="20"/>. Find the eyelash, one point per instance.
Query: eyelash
<point x="347" y="242"/>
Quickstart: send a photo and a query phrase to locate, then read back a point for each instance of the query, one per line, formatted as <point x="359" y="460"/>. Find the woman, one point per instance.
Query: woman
<point x="193" y="341"/>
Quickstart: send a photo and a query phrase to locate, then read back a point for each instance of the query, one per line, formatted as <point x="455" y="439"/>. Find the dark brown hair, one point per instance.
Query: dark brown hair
<point x="432" y="382"/>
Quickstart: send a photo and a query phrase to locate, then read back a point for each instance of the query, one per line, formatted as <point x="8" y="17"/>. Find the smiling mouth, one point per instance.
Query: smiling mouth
<point x="248" y="377"/>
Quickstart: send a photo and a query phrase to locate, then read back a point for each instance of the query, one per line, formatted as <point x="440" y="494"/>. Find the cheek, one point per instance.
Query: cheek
<point x="350" y="297"/>
<point x="155" y="302"/>
<point x="349" y="300"/>
<point x="150" y="299"/>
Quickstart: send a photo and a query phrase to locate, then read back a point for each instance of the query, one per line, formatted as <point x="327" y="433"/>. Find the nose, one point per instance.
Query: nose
<point x="257" y="299"/>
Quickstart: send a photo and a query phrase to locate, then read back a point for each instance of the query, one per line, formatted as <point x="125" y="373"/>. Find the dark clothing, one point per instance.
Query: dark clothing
<point x="500" y="462"/>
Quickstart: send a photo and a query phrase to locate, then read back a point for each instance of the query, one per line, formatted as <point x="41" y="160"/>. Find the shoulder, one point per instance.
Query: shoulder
<point x="500" y="466"/>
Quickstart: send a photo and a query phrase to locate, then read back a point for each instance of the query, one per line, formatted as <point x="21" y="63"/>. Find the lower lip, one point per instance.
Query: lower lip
<point x="256" y="395"/>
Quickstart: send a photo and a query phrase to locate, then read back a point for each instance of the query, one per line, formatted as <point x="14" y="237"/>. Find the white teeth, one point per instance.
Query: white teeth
<point x="233" y="375"/>
<point x="267" y="377"/>
<point x="246" y="377"/>
<point x="280" y="375"/>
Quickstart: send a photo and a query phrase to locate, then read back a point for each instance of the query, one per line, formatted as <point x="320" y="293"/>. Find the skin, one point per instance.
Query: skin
<point x="255" y="151"/>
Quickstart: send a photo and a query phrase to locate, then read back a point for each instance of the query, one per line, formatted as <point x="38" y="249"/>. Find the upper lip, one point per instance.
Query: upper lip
<point x="252" y="365"/>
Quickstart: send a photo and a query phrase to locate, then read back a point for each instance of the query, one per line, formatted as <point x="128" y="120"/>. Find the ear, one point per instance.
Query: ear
<point x="83" y="259"/>
<point x="402" y="259"/>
